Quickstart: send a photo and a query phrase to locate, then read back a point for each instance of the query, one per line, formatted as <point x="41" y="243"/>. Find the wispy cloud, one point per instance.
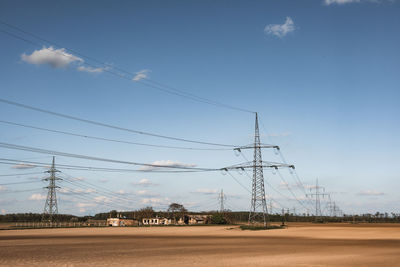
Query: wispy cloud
<point x="166" y="163"/>
<point x="59" y="58"/>
<point x="342" y="2"/>
<point x="155" y="201"/>
<point x="371" y="193"/>
<point x="91" y="69"/>
<point x="206" y="191"/>
<point x="144" y="182"/>
<point x="37" y="197"/>
<point x="280" y="30"/>
<point x="143" y="74"/>
<point x="147" y="193"/>
<point x="102" y="199"/>
<point x="284" y="134"/>
<point x="76" y="191"/>
<point x="23" y="166"/>
<point x="56" y="58"/>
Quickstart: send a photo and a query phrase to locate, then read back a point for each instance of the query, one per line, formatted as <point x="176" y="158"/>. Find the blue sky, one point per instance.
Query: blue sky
<point x="324" y="77"/>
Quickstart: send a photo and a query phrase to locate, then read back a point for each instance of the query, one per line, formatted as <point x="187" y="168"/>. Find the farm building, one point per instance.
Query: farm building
<point x="121" y="222"/>
<point x="156" y="221"/>
<point x="194" y="219"/>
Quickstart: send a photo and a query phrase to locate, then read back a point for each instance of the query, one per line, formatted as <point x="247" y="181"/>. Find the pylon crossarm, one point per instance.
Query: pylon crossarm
<point x="250" y="165"/>
<point x="251" y="146"/>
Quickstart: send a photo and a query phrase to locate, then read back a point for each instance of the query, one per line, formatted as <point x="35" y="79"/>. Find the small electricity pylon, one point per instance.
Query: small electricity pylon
<point x="317" y="194"/>
<point x="221" y="199"/>
<point x="50" y="207"/>
<point x="258" y="211"/>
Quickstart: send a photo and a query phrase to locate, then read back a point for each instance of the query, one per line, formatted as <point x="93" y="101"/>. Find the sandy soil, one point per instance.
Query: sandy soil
<point x="299" y="245"/>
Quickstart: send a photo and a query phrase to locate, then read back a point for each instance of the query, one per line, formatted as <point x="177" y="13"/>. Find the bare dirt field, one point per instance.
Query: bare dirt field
<point x="299" y="245"/>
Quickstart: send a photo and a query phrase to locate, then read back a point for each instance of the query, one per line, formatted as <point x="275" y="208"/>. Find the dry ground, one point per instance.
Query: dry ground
<point x="299" y="245"/>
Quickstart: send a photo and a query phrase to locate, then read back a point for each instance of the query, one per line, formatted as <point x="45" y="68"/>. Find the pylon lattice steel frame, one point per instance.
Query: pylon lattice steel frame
<point x="51" y="207"/>
<point x="258" y="211"/>
<point x="317" y="195"/>
<point x="258" y="203"/>
<point x="221" y="198"/>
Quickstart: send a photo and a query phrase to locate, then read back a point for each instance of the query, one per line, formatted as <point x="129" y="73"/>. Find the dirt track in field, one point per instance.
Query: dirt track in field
<point x="299" y="245"/>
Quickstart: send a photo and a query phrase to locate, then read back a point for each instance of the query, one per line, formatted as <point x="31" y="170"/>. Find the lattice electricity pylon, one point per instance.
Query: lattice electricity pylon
<point x="50" y="207"/>
<point x="317" y="195"/>
<point x="221" y="199"/>
<point x="258" y="211"/>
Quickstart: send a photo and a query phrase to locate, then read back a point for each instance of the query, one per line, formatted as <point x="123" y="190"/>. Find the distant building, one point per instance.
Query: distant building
<point x="121" y="222"/>
<point x="199" y="219"/>
<point x="194" y="219"/>
<point x="156" y="221"/>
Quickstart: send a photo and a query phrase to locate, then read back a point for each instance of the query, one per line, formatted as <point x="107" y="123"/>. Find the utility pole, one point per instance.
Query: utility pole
<point x="50" y="207"/>
<point x="221" y="199"/>
<point x="318" y="193"/>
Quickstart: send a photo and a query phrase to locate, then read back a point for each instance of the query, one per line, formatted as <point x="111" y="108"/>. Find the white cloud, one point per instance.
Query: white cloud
<point x="206" y="191"/>
<point x="342" y="2"/>
<point x="37" y="197"/>
<point x="144" y="182"/>
<point x="284" y="134"/>
<point x="122" y="192"/>
<point x="143" y="74"/>
<point x="76" y="191"/>
<point x="90" y="69"/>
<point x="371" y="193"/>
<point x="84" y="205"/>
<point x="284" y="185"/>
<point x="166" y="163"/>
<point x="23" y="166"/>
<point x="280" y="30"/>
<point x="103" y="180"/>
<point x="78" y="178"/>
<point x="102" y="199"/>
<point x="146" y="193"/>
<point x="155" y="201"/>
<point x="57" y="58"/>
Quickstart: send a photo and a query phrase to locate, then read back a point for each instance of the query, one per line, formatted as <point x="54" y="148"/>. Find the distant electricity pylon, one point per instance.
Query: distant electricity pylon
<point x="221" y="199"/>
<point x="258" y="210"/>
<point x="319" y="192"/>
<point x="50" y="207"/>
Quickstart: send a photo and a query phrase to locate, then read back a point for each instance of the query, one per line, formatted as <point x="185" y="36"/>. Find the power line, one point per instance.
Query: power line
<point x="109" y="125"/>
<point x="91" y="168"/>
<point x="64" y="154"/>
<point x="290" y="190"/>
<point x="150" y="83"/>
<point x="107" y="139"/>
<point x="24" y="182"/>
<point x="18" y="174"/>
<point x="20" y="191"/>
<point x="234" y="178"/>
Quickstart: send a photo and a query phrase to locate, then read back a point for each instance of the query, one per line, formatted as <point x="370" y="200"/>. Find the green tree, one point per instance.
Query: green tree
<point x="218" y="218"/>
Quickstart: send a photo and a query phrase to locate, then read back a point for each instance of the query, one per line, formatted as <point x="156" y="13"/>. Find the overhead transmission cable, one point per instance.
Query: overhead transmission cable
<point x="106" y="139"/>
<point x="64" y="154"/>
<point x="18" y="174"/>
<point x="109" y="125"/>
<point x="106" y="68"/>
<point x="90" y="168"/>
